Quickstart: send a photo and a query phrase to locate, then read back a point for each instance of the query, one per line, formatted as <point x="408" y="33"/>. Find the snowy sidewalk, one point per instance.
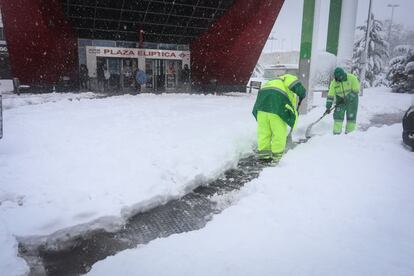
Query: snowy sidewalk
<point x="335" y="206"/>
<point x="65" y="163"/>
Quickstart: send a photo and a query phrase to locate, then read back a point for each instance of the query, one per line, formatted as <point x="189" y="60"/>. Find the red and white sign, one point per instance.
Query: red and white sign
<point x="136" y="53"/>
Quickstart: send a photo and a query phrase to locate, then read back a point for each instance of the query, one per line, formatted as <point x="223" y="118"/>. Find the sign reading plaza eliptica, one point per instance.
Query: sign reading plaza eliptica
<point x="136" y="53"/>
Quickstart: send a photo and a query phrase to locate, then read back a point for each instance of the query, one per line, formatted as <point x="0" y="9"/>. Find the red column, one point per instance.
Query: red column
<point x="229" y="50"/>
<point x="42" y="44"/>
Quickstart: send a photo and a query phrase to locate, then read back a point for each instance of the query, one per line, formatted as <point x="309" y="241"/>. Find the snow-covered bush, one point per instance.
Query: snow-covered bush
<point x="401" y="69"/>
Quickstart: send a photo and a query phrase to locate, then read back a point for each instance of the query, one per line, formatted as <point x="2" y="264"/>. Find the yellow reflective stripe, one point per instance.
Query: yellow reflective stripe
<point x="289" y="107"/>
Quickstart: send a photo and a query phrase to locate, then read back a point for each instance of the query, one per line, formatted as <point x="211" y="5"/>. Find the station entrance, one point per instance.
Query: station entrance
<point x="114" y="69"/>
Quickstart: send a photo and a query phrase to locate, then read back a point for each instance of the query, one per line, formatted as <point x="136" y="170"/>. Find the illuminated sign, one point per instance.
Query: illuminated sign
<point x="136" y="53"/>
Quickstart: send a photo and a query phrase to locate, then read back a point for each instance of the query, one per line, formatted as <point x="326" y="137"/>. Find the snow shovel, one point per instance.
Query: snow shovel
<point x="308" y="130"/>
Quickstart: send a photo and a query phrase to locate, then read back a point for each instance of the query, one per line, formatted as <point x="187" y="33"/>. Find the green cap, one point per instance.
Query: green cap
<point x="339" y="74"/>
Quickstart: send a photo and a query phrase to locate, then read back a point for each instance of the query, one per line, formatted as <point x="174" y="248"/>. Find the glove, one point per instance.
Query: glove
<point x="327" y="111"/>
<point x="340" y="100"/>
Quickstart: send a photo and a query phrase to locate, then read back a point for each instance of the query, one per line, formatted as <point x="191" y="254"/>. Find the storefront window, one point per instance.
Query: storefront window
<point x="150" y="45"/>
<point x="164" y="46"/>
<point x="126" y="44"/>
<point x="84" y="42"/>
<point x="114" y="66"/>
<point x="82" y="55"/>
<point x="149" y="64"/>
<point x="183" y="47"/>
<point x="104" y="43"/>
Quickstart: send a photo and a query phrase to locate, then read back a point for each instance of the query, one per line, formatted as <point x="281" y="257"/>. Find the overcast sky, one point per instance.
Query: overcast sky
<point x="288" y="24"/>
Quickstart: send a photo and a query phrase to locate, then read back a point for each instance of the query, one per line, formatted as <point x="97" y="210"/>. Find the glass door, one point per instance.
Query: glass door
<point x="173" y="68"/>
<point x="129" y="66"/>
<point x="149" y="70"/>
<point x="114" y="68"/>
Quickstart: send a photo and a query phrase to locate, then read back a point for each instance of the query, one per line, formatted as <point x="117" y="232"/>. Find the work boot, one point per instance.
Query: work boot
<point x="277" y="156"/>
<point x="265" y="160"/>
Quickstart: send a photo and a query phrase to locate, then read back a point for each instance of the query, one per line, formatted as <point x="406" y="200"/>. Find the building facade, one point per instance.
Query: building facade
<point x="4" y="54"/>
<point x="219" y="40"/>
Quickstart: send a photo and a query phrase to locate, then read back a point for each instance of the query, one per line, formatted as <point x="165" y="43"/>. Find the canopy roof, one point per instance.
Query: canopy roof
<point x="167" y="21"/>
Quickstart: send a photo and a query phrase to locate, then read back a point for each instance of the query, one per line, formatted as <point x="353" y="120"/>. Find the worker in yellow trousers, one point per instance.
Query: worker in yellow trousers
<point x="344" y="90"/>
<point x="275" y="109"/>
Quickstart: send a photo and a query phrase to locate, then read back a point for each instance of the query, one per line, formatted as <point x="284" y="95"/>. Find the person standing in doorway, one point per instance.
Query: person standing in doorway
<point x="344" y="90"/>
<point x="100" y="76"/>
<point x="185" y="77"/>
<point x="84" y="77"/>
<point x="107" y="76"/>
<point x="141" y="79"/>
<point x="276" y="108"/>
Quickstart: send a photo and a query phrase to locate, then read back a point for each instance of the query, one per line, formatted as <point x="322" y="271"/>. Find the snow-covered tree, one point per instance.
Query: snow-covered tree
<point x="377" y="50"/>
<point x="401" y="69"/>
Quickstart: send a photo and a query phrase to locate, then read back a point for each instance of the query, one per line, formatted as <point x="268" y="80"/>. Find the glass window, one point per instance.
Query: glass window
<point x="82" y="55"/>
<point x="150" y="45"/>
<point x="126" y="44"/>
<point x="164" y="46"/>
<point x="84" y="42"/>
<point x="104" y="43"/>
<point x="114" y="65"/>
<point x="183" y="47"/>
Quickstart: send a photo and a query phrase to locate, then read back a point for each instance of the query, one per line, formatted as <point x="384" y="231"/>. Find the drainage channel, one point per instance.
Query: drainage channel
<point x="188" y="213"/>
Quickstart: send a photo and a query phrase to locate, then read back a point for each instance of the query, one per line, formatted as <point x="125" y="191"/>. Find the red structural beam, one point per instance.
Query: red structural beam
<point x="42" y="44"/>
<point x="230" y="49"/>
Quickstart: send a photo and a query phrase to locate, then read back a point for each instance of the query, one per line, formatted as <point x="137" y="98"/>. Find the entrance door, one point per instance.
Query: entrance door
<point x="114" y="67"/>
<point x="129" y="67"/>
<point x="173" y="68"/>
<point x="163" y="74"/>
<point x="111" y="82"/>
<point x="155" y="70"/>
<point x="159" y="75"/>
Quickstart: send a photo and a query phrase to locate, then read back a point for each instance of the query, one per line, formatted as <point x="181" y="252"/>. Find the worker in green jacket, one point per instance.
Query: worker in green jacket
<point x="344" y="90"/>
<point x="275" y="109"/>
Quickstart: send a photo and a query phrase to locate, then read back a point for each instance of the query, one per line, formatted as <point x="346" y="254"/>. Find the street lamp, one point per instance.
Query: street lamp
<point x="392" y="6"/>
<point x="282" y="43"/>
<point x="272" y="38"/>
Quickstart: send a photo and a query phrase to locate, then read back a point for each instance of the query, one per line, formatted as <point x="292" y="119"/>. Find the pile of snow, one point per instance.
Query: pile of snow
<point x="338" y="205"/>
<point x="11" y="100"/>
<point x="6" y="86"/>
<point x="65" y="162"/>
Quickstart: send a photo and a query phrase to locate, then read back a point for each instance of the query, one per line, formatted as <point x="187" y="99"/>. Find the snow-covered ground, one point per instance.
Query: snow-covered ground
<point x="335" y="206"/>
<point x="66" y="162"/>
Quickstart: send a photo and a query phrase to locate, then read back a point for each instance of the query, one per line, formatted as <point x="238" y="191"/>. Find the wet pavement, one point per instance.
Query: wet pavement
<point x="380" y="120"/>
<point x="191" y="212"/>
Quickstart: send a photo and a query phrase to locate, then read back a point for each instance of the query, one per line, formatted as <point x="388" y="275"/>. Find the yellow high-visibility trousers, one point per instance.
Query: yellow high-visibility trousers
<point x="271" y="135"/>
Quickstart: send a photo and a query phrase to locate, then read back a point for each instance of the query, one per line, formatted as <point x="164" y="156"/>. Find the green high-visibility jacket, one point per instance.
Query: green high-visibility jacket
<point x="279" y="96"/>
<point x="341" y="91"/>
